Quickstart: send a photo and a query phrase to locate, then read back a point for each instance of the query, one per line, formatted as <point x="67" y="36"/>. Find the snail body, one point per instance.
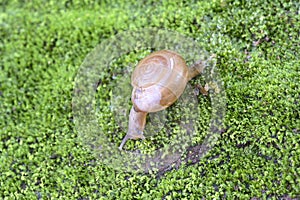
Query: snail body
<point x="158" y="81"/>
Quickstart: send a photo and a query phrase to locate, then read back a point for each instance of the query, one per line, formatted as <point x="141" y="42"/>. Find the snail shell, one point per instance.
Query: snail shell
<point x="158" y="81"/>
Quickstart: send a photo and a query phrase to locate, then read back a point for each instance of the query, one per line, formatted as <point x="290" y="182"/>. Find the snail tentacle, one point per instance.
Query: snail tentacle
<point x="137" y="121"/>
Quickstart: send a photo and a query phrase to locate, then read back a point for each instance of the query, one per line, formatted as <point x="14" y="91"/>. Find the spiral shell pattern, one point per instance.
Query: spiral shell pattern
<point x="158" y="80"/>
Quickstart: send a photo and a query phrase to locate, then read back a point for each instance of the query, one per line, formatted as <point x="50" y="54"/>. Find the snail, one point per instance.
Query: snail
<point x="158" y="81"/>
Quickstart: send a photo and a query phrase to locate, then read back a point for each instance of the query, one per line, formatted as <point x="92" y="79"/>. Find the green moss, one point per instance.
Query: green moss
<point x="42" y="46"/>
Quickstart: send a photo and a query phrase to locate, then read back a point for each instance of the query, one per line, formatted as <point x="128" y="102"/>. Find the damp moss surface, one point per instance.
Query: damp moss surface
<point x="44" y="43"/>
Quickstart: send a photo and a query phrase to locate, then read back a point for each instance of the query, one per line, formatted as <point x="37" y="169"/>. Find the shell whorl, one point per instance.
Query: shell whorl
<point x="158" y="80"/>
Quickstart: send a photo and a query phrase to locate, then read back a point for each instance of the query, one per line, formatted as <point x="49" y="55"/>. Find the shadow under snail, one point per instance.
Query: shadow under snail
<point x="158" y="81"/>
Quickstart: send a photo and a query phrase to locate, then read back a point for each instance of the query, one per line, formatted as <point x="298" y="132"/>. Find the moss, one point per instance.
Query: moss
<point x="42" y="46"/>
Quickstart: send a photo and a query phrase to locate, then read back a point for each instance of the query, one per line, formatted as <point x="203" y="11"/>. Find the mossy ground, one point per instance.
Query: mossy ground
<point x="43" y="44"/>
